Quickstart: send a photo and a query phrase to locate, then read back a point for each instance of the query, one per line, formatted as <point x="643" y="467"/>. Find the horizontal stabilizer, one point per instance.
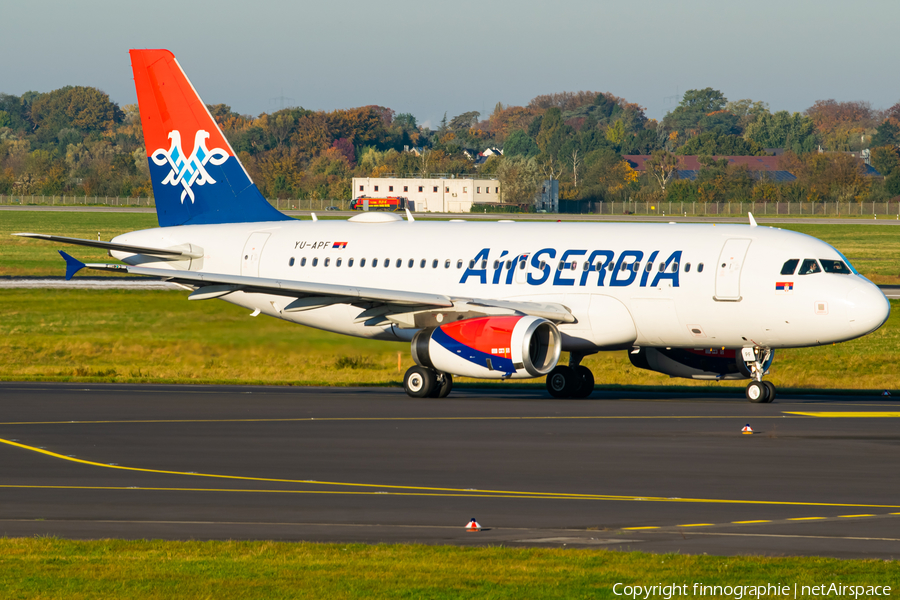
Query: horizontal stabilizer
<point x="186" y="251"/>
<point x="73" y="265"/>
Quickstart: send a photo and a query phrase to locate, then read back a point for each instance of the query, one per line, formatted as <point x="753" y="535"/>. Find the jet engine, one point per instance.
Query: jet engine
<point x="692" y="363"/>
<point x="500" y="347"/>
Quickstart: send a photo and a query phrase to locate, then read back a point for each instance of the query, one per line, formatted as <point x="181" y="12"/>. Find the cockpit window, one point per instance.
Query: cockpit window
<point x="809" y="266"/>
<point x="834" y="266"/>
<point x="790" y="266"/>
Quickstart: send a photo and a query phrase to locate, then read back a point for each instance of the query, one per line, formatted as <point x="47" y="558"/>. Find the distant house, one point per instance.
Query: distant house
<point x="760" y="167"/>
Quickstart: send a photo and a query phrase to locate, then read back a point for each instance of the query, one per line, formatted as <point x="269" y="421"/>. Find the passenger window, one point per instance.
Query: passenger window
<point x="496" y="264"/>
<point x="623" y="267"/>
<point x="687" y="267"/>
<point x="303" y="262"/>
<point x="508" y="265"/>
<point x="434" y="264"/>
<point x="610" y="266"/>
<point x="790" y="266"/>
<point x="700" y="268"/>
<point x="447" y="264"/>
<point x="291" y="262"/>
<point x="809" y="266"/>
<point x="315" y="261"/>
<point x="484" y="264"/>
<point x="574" y="265"/>
<point x="560" y="266"/>
<point x="327" y="261"/>
<point x="543" y="264"/>
<point x="399" y="262"/>
<point x="362" y="262"/>
<point x="337" y="263"/>
<point x="422" y="264"/>
<point x="662" y="267"/>
<point x="674" y="267"/>
<point x="412" y="261"/>
<point x="387" y="263"/>
<point x="349" y="262"/>
<point x="636" y="266"/>
<point x="374" y="262"/>
<point x="522" y="264"/>
<point x="459" y="264"/>
<point x="471" y="264"/>
<point x="834" y="266"/>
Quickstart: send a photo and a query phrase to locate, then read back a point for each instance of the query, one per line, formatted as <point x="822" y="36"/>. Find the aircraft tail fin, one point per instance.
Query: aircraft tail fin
<point x="197" y="179"/>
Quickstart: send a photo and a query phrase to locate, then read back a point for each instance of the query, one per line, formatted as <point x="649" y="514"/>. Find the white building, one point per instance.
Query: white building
<point x="431" y="195"/>
<point x="449" y="194"/>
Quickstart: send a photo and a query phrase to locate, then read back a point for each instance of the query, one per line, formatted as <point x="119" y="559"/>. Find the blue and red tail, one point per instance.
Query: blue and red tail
<point x="197" y="179"/>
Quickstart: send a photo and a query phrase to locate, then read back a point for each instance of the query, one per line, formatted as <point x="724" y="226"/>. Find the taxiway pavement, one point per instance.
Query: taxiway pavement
<point x="659" y="472"/>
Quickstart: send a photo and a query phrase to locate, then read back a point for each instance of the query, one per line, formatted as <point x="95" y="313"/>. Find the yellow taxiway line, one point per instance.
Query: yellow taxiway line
<point x="446" y="491"/>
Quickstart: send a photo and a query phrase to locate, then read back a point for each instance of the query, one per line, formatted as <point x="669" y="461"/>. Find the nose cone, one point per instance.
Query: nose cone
<point x="868" y="308"/>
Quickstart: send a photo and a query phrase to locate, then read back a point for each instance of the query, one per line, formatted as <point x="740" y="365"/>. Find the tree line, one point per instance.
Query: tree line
<point x="76" y="141"/>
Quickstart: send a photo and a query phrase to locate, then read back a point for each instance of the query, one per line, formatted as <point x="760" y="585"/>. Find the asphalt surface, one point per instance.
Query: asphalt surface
<point x="643" y="471"/>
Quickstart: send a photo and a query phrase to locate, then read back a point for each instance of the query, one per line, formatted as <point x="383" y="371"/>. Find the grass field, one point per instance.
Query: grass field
<point x="158" y="336"/>
<point x="52" y="568"/>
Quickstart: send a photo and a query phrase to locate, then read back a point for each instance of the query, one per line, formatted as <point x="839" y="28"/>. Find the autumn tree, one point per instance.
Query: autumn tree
<point x="86" y="109"/>
<point x="662" y="166"/>
<point x="722" y="145"/>
<point x="782" y="129"/>
<point x="520" y="178"/>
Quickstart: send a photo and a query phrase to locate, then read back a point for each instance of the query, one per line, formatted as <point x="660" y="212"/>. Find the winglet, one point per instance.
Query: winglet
<point x="752" y="220"/>
<point x="73" y="265"/>
<point x="409" y="216"/>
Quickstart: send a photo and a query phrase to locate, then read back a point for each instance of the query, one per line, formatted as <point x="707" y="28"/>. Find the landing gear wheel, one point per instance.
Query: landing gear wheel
<point x="770" y="387"/>
<point x="562" y="382"/>
<point x="757" y="392"/>
<point x="586" y="385"/>
<point x="419" y="382"/>
<point x="443" y="385"/>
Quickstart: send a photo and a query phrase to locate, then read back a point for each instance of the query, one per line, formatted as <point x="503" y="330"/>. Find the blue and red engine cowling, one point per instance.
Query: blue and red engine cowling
<point x="506" y="347"/>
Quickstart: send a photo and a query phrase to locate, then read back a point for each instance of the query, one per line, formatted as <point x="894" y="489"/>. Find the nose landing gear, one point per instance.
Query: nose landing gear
<point x="757" y="361"/>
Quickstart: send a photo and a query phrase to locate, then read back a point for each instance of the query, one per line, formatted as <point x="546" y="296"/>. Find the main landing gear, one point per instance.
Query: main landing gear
<point x="573" y="381"/>
<point x="422" y="382"/>
<point x="758" y="361"/>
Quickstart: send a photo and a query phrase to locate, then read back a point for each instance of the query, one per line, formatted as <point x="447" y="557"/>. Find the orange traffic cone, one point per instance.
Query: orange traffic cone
<point x="473" y="526"/>
<point x="747" y="429"/>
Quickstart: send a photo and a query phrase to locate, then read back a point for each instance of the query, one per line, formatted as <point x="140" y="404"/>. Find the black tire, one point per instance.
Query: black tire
<point x="419" y="382"/>
<point x="442" y="386"/>
<point x="562" y="382"/>
<point x="757" y="392"/>
<point x="586" y="385"/>
<point x="770" y="387"/>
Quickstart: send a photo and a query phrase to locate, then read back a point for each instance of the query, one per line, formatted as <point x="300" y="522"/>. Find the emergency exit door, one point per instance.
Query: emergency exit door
<point x="252" y="253"/>
<point x="728" y="270"/>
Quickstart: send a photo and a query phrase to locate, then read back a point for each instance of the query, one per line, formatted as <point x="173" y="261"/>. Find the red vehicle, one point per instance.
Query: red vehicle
<point x="385" y="203"/>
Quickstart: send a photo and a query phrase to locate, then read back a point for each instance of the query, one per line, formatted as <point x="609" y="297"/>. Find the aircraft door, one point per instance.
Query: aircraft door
<point x="728" y="270"/>
<point x="252" y="253"/>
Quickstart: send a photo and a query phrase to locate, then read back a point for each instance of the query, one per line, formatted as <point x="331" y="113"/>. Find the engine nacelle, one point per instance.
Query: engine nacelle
<point x="490" y="347"/>
<point x="693" y="364"/>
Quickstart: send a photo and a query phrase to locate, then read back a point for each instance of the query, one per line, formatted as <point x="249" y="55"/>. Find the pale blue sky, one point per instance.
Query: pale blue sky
<point x="428" y="58"/>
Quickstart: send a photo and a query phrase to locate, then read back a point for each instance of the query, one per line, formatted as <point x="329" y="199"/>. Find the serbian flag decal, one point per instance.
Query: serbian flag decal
<point x="339" y="245"/>
<point x="784" y="287"/>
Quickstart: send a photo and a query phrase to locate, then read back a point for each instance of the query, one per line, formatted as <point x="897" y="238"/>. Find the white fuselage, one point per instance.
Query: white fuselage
<point x="738" y="299"/>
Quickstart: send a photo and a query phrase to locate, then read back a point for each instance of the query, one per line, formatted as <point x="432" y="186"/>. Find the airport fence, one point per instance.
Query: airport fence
<point x="39" y="200"/>
<point x="662" y="209"/>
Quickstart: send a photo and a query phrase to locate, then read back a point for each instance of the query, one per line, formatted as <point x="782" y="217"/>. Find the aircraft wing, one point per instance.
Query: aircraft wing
<point x="379" y="306"/>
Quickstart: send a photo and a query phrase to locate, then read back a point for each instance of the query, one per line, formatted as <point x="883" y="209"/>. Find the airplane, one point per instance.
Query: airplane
<point x="492" y="300"/>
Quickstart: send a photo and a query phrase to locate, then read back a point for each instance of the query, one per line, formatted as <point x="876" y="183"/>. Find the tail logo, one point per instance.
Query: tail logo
<point x="190" y="170"/>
